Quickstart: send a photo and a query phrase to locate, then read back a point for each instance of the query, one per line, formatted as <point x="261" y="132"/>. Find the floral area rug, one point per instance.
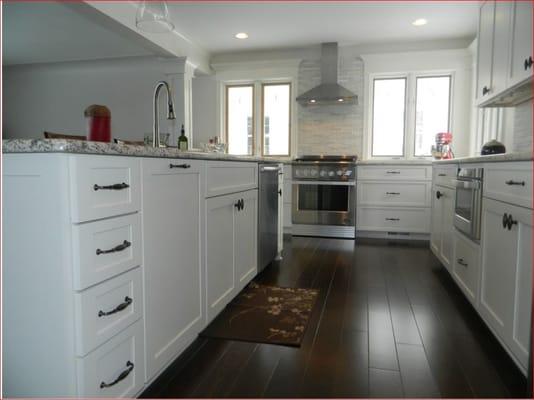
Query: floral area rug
<point x="265" y="314"/>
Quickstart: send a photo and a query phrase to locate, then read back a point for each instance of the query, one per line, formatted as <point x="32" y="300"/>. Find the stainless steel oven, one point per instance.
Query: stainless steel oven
<point x="468" y="204"/>
<point x="324" y="196"/>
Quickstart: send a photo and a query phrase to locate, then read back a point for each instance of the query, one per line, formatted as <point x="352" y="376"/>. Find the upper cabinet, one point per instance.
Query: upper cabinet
<point x="504" y="62"/>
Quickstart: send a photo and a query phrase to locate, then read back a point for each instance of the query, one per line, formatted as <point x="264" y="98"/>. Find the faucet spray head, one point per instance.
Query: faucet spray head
<point x="170" y="111"/>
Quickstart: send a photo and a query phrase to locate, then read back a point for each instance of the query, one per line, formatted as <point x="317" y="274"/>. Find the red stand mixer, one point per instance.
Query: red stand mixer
<point x="442" y="150"/>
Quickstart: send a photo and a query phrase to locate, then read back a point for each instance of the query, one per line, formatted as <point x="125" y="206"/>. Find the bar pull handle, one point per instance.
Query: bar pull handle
<point x="392" y="219"/>
<point x="393" y="193"/>
<point x="120" y="307"/>
<point x="124" y="245"/>
<point x="116" y="186"/>
<point x="512" y="182"/>
<point x="462" y="262"/>
<point x="392" y="172"/>
<point x="442" y="174"/>
<point x="123" y="375"/>
<point x="184" y="166"/>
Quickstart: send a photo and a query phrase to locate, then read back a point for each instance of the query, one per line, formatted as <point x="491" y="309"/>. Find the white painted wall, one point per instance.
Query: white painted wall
<point x="53" y="96"/>
<point x="205" y="109"/>
<point x="457" y="61"/>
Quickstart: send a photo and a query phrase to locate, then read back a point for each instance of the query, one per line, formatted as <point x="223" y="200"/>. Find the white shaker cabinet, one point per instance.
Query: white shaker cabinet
<point x="173" y="210"/>
<point x="442" y="230"/>
<point x="485" y="49"/>
<point x="231" y="255"/>
<point x="506" y="278"/>
<point x="521" y="48"/>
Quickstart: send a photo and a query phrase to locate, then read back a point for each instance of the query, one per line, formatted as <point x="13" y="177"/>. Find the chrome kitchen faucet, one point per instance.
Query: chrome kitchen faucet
<point x="170" y="111"/>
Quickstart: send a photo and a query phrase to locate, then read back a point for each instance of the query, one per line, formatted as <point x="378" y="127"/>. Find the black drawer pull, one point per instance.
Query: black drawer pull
<point x="462" y="262"/>
<point x="439" y="195"/>
<point x="280" y="192"/>
<point x="485" y="90"/>
<point x="239" y="205"/>
<point x="526" y="64"/>
<point x="518" y="183"/>
<point x="120" y="307"/>
<point x="123" y="375"/>
<point x="184" y="166"/>
<point x="392" y="219"/>
<point x="117" y="186"/>
<point x="393" y="193"/>
<point x="392" y="172"/>
<point x="508" y="221"/>
<point x="115" y="249"/>
<point x="442" y="174"/>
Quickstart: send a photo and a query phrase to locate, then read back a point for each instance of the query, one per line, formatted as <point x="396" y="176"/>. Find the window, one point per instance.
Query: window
<point x="240" y="119"/>
<point x="406" y="114"/>
<point x="248" y="135"/>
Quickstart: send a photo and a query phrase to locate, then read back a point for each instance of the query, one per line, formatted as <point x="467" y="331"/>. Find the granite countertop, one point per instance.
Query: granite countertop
<point x="518" y="156"/>
<point x="394" y="162"/>
<point x="113" y="149"/>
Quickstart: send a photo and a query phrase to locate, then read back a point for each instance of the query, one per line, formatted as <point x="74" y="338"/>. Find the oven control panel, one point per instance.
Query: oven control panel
<point x="324" y="172"/>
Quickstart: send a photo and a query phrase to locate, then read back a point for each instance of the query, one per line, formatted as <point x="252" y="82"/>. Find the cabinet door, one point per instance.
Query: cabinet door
<point x="465" y="267"/>
<point x="447" y="244"/>
<point x="506" y="278"/>
<point x="220" y="274"/>
<point x="246" y="232"/>
<point x="521" y="41"/>
<point x="485" y="49"/>
<point x="173" y="201"/>
<point x="501" y="46"/>
<point x="436" y="220"/>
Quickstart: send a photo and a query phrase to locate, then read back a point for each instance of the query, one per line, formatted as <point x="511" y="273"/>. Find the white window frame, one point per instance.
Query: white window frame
<point x="257" y="112"/>
<point x="409" y="112"/>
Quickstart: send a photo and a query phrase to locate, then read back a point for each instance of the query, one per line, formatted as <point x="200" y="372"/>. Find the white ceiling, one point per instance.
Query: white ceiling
<point x="212" y="25"/>
<point x="37" y="32"/>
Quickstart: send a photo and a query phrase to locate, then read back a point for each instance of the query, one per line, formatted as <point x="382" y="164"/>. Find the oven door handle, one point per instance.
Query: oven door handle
<point x="466" y="184"/>
<point x="328" y="183"/>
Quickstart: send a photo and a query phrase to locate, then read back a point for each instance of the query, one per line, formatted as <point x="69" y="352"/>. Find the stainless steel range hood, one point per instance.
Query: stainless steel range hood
<point x="329" y="91"/>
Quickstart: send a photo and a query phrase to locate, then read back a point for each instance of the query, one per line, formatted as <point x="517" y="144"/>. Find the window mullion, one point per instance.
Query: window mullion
<point x="409" y="134"/>
<point x="257" y="134"/>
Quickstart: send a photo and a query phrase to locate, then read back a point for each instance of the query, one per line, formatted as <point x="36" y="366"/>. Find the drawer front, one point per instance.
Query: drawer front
<point x="390" y="219"/>
<point x="106" y="309"/>
<point x="465" y="266"/>
<point x="509" y="182"/>
<point x="89" y="202"/>
<point x="443" y="175"/>
<point x="120" y="357"/>
<point x="394" y="172"/>
<point x="223" y="177"/>
<point x="405" y="194"/>
<point x="103" y="249"/>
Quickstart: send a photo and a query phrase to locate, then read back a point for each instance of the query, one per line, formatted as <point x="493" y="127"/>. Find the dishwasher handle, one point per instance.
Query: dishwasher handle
<point x="264" y="168"/>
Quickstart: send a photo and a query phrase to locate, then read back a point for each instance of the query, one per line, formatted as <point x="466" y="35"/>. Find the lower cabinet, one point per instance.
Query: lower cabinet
<point x="173" y="212"/>
<point x="231" y="247"/>
<point x="465" y="266"/>
<point x="506" y="275"/>
<point x="441" y="232"/>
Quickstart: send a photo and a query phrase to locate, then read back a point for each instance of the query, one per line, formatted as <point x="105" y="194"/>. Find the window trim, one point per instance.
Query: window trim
<point x="226" y="90"/>
<point x="262" y="104"/>
<point x="404" y="127"/>
<point x="409" y="136"/>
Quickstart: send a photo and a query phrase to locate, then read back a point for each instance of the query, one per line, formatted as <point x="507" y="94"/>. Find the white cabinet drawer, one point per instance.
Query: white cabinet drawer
<point x="509" y="182"/>
<point x="104" y="310"/>
<point x="96" y="255"/>
<point x="223" y="177"/>
<point x="394" y="172"/>
<point x="390" y="219"/>
<point x="465" y="268"/>
<point x="444" y="174"/>
<point x="104" y="186"/>
<point x="121" y="357"/>
<point x="400" y="194"/>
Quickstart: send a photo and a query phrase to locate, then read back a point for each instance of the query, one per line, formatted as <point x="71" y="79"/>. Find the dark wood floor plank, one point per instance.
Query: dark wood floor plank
<point x="417" y="378"/>
<point x="384" y="383"/>
<point x="351" y="379"/>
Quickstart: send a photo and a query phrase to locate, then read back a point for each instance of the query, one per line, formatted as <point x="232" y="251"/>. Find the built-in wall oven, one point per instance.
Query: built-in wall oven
<point x="468" y="204"/>
<point x="324" y="195"/>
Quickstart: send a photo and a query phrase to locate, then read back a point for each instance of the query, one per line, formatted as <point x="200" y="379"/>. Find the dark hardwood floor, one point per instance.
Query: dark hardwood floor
<point x="389" y="322"/>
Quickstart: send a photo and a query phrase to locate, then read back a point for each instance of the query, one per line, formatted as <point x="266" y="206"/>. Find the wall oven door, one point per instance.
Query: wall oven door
<point x="324" y="203"/>
<point x="468" y="207"/>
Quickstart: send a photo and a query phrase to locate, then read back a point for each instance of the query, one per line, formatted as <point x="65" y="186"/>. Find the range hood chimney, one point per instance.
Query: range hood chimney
<point x="329" y="91"/>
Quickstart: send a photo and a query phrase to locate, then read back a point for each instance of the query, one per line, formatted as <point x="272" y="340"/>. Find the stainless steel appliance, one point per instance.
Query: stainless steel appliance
<point x="468" y="204"/>
<point x="324" y="196"/>
<point x="267" y="214"/>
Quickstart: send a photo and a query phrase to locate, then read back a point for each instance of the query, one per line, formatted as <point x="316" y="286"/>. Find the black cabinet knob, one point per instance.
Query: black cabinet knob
<point x="438" y="195"/>
<point x="525" y="64"/>
<point x="280" y="192"/>
<point x="485" y="90"/>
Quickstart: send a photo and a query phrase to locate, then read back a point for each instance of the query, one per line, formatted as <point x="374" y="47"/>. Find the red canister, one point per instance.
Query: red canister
<point x="98" y="123"/>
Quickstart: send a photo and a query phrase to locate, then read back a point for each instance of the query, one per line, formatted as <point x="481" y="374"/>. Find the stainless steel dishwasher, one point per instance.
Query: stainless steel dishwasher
<point x="267" y="214"/>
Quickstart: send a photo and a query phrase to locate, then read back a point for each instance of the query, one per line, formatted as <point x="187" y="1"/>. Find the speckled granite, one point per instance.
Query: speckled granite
<point x="519" y="156"/>
<point x="394" y="162"/>
<point x="112" y="149"/>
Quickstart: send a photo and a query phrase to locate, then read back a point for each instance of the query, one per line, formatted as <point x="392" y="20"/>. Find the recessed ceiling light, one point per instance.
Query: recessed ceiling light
<point x="340" y="100"/>
<point x="313" y="101"/>
<point x="241" y="35"/>
<point x="419" y="22"/>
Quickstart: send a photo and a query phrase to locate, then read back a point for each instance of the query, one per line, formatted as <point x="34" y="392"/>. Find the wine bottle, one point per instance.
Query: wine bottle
<point x="182" y="140"/>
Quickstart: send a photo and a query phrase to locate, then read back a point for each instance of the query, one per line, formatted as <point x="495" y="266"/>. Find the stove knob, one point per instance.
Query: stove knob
<point x="305" y="172"/>
<point x="322" y="173"/>
<point x="348" y="172"/>
<point x="297" y="172"/>
<point x="313" y="172"/>
<point x="339" y="172"/>
<point x="331" y="173"/>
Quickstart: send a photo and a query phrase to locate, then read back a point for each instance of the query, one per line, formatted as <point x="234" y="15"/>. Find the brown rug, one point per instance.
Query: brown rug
<point x="265" y="314"/>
